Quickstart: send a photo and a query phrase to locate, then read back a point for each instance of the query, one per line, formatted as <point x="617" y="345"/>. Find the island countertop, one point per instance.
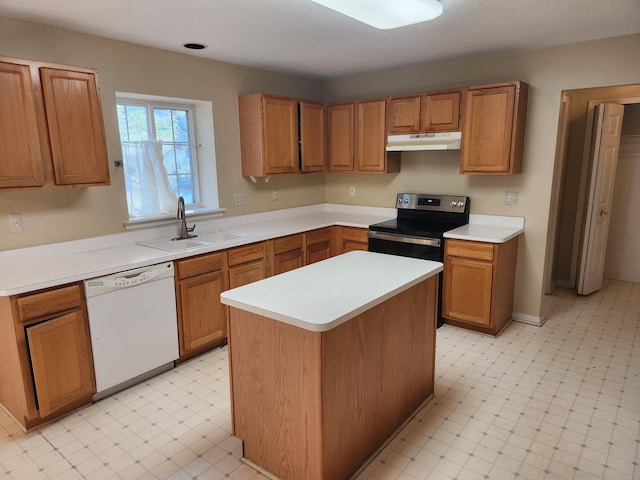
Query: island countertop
<point x="323" y="295"/>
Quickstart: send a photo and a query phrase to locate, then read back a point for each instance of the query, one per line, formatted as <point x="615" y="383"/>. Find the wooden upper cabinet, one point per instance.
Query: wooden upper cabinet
<point x="440" y="112"/>
<point x="404" y="115"/>
<point x="22" y="164"/>
<point x="76" y="127"/>
<point x="340" y="137"/>
<point x="357" y="138"/>
<point x="371" y="138"/>
<point x="268" y="135"/>
<point x="313" y="137"/>
<point x="493" y="132"/>
<point x="51" y="126"/>
<point x="424" y="113"/>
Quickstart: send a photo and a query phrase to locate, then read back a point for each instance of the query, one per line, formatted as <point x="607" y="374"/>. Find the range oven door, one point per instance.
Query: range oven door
<point x="414" y="247"/>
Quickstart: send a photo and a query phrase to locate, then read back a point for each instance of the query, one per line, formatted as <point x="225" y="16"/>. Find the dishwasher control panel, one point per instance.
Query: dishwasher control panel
<point x="128" y="278"/>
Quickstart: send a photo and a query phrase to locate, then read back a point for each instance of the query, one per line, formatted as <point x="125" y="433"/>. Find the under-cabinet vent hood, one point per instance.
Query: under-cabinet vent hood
<point x="424" y="141"/>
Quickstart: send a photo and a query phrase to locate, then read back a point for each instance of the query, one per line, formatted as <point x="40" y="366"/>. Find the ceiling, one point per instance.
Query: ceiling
<point x="301" y="37"/>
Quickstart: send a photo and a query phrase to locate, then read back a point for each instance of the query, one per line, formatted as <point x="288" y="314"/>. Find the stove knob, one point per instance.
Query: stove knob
<point x="461" y="204"/>
<point x="405" y="201"/>
<point x="453" y="203"/>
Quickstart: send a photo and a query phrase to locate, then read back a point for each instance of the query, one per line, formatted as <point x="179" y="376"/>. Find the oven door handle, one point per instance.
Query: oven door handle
<point x="432" y="242"/>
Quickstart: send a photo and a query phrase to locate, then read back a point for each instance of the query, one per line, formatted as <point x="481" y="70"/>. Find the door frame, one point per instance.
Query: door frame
<point x="583" y="191"/>
<point x="550" y="282"/>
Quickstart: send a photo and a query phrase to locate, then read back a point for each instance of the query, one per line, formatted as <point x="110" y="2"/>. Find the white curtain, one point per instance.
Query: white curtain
<point x="149" y="193"/>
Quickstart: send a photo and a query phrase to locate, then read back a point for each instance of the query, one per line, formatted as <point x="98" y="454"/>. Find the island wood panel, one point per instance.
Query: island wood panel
<point x="317" y="405"/>
<point x="276" y="394"/>
<point x="390" y="351"/>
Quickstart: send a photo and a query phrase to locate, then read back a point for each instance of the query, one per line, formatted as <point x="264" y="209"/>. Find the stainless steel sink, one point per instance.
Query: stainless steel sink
<point x="205" y="239"/>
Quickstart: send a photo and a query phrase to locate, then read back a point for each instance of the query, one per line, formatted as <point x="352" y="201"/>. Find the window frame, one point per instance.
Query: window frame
<point x="193" y="144"/>
<point x="204" y="131"/>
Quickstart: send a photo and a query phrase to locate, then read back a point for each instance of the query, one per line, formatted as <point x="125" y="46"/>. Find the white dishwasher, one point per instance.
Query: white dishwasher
<point x="133" y="324"/>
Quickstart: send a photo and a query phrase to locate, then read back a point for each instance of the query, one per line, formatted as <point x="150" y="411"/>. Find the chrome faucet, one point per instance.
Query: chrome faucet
<point x="184" y="230"/>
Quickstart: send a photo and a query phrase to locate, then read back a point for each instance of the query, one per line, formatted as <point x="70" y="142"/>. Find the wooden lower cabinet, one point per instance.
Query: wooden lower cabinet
<point x="318" y="245"/>
<point x="61" y="361"/>
<point x="478" y="284"/>
<point x="287" y="253"/>
<point x="247" y="264"/>
<point x="348" y="239"/>
<point x="202" y="319"/>
<point x="46" y="366"/>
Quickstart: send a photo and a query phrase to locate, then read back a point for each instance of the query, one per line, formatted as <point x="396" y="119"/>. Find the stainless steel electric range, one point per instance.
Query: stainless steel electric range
<point x="418" y="230"/>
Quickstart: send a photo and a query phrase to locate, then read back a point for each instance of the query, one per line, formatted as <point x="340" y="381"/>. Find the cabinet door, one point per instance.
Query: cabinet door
<point x="313" y="137"/>
<point x="340" y="136"/>
<point x="467" y="290"/>
<point x="76" y="127"/>
<point x="288" y="261"/>
<point x="62" y="363"/>
<point x="403" y="116"/>
<point x="318" y="252"/>
<point x="280" y="133"/>
<point x="371" y="136"/>
<point x="202" y="316"/>
<point x="247" y="273"/>
<point x="488" y="126"/>
<point x="441" y="112"/>
<point x="21" y="162"/>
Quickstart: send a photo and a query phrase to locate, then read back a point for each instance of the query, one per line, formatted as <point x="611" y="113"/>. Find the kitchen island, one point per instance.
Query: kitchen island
<point x="329" y="360"/>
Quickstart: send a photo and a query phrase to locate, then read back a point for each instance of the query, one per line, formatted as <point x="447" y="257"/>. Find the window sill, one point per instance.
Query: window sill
<point x="193" y="214"/>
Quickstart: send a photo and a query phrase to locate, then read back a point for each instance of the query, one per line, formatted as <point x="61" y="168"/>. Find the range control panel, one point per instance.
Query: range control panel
<point x="438" y="203"/>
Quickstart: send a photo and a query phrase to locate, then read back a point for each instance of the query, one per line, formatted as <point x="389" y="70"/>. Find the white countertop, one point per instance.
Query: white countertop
<point x="323" y="295"/>
<point x="488" y="228"/>
<point x="28" y="269"/>
<point x="33" y="268"/>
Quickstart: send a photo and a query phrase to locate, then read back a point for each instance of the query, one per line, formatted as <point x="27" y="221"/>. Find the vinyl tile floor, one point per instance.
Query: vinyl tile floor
<point x="561" y="401"/>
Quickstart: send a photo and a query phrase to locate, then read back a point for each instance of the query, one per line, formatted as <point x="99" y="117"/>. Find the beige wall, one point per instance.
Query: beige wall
<point x="549" y="72"/>
<point x="63" y="215"/>
<point x="60" y="215"/>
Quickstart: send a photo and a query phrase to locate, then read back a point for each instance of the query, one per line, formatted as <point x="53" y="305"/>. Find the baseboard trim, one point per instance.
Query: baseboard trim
<point x="528" y="319"/>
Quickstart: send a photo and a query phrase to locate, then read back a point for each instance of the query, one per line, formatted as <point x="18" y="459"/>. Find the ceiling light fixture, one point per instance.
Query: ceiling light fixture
<point x="386" y="14"/>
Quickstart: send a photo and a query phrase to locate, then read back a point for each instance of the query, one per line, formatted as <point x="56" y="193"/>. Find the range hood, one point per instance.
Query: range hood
<point x="424" y="141"/>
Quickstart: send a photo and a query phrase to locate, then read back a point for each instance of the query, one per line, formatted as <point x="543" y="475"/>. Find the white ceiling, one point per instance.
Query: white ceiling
<point x="301" y="37"/>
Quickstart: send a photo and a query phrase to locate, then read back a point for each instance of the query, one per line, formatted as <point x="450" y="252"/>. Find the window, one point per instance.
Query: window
<point x="161" y="155"/>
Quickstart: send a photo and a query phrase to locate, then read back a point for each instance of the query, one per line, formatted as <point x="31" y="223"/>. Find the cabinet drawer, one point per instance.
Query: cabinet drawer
<point x="321" y="235"/>
<point x="355" y="234"/>
<point x="288" y="244"/>
<point x="248" y="253"/>
<point x="469" y="249"/>
<point x="46" y="303"/>
<point x="198" y="265"/>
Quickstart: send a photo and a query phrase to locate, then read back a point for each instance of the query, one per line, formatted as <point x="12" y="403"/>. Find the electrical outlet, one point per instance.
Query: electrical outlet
<point x="352" y="191"/>
<point x="510" y="198"/>
<point x="238" y="199"/>
<point x="15" y="222"/>
<point x="274" y="195"/>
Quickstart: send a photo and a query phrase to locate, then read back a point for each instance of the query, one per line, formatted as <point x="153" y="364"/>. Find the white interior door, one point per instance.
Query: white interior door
<point x="605" y="148"/>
